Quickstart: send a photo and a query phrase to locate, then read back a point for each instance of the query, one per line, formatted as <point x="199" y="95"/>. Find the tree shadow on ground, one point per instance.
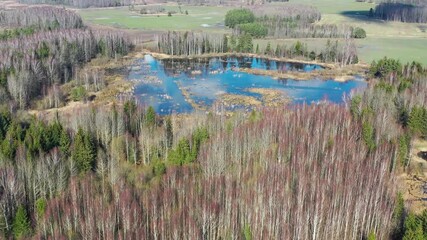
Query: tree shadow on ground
<point x="423" y="28"/>
<point x="362" y="15"/>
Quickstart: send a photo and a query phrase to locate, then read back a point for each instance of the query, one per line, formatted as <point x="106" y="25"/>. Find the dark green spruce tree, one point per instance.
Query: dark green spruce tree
<point x="84" y="151"/>
<point x="21" y="224"/>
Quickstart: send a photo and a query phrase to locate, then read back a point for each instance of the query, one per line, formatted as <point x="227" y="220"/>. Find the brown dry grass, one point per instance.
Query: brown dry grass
<point x="115" y="84"/>
<point x="271" y="97"/>
<point x="411" y="181"/>
<point x="242" y="100"/>
<point x="339" y="75"/>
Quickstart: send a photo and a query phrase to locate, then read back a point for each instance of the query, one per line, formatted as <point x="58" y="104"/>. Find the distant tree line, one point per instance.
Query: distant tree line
<point x="191" y="43"/>
<point x="290" y="12"/>
<point x="40" y="18"/>
<point x="82" y="3"/>
<point x="224" y="2"/>
<point x="402" y="11"/>
<point x="202" y="2"/>
<point x="330" y="53"/>
<point x="292" y="21"/>
<point x="281" y="29"/>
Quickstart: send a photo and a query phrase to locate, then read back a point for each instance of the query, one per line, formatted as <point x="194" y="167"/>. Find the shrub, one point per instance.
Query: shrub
<point x="78" y="93"/>
<point x="359" y="33"/>
<point x="159" y="168"/>
<point x="41" y="205"/>
<point x="239" y="16"/>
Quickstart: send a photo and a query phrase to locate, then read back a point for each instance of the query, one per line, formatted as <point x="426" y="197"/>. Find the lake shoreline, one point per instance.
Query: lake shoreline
<point x="331" y="71"/>
<point x="226" y="81"/>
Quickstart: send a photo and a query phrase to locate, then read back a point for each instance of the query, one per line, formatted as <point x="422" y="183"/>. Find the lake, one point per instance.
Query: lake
<point x="180" y="86"/>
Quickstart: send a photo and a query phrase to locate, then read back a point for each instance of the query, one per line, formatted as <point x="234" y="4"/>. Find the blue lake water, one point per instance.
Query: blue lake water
<point x="160" y="83"/>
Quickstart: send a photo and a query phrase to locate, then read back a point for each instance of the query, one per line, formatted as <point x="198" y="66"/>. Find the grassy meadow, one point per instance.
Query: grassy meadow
<point x="198" y="18"/>
<point x="405" y="41"/>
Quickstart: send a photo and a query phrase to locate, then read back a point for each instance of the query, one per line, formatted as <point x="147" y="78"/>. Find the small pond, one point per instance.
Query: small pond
<point x="178" y="86"/>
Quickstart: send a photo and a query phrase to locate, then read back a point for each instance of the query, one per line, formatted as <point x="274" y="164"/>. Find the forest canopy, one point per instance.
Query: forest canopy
<point x="94" y="162"/>
<point x="48" y="47"/>
<point x="41" y="18"/>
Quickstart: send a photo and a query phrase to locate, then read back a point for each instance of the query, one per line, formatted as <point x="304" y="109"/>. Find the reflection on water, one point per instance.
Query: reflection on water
<point x="162" y="83"/>
<point x="189" y="67"/>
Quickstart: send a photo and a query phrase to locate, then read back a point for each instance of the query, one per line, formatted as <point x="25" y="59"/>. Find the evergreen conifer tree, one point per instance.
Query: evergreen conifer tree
<point x="21" y="224"/>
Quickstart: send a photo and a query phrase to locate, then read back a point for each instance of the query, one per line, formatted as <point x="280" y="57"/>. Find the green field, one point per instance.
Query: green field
<point x="369" y="49"/>
<point x="405" y="49"/>
<point x="405" y="41"/>
<point x="332" y="6"/>
<point x="198" y="18"/>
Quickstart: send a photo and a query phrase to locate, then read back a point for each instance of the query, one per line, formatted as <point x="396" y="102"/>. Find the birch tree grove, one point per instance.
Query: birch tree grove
<point x="190" y="43"/>
<point x="290" y="12"/>
<point x="51" y="48"/>
<point x="402" y="11"/>
<point x="41" y="60"/>
<point x="256" y="178"/>
<point x="281" y="29"/>
<point x="42" y="18"/>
